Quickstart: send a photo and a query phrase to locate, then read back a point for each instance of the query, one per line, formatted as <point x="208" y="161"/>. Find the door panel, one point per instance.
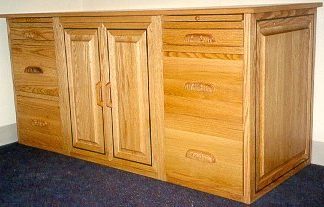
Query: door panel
<point x="130" y="95"/>
<point x="85" y="89"/>
<point x="283" y="96"/>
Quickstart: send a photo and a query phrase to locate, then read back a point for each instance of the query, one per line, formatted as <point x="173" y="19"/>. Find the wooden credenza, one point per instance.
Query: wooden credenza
<point x="218" y="99"/>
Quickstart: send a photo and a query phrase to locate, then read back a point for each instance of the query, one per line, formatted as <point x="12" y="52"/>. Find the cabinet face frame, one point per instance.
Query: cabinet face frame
<point x="292" y="27"/>
<point x="155" y="65"/>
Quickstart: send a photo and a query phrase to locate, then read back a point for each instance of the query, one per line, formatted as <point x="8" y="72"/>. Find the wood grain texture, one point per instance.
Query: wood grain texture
<point x="176" y="96"/>
<point x="31" y="33"/>
<point x="39" y="123"/>
<point x="203" y="25"/>
<point x="203" y="49"/>
<point x="191" y="11"/>
<point x="64" y="97"/>
<point x="249" y="107"/>
<point x="284" y="14"/>
<point x="156" y="91"/>
<point x="203" y="105"/>
<point x="197" y="37"/>
<point x="202" y="161"/>
<point x="283" y="87"/>
<point x="42" y="56"/>
<point x="130" y="98"/>
<point x="30" y="20"/>
<point x="203" y="18"/>
<point x="84" y="78"/>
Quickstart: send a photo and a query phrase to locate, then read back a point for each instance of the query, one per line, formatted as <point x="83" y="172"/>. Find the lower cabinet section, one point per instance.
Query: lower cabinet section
<point x="221" y="103"/>
<point x="211" y="164"/>
<point x="39" y="123"/>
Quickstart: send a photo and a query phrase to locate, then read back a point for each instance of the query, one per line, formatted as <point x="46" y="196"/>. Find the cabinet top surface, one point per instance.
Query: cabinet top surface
<point x="177" y="11"/>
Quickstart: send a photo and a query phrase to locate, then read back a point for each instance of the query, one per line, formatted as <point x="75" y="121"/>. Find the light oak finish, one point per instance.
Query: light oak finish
<point x="39" y="123"/>
<point x="130" y="98"/>
<point x="85" y="89"/>
<point x="217" y="99"/>
<point x="32" y="34"/>
<point x="203" y="37"/>
<point x="34" y="68"/>
<point x="249" y="9"/>
<point x="283" y="87"/>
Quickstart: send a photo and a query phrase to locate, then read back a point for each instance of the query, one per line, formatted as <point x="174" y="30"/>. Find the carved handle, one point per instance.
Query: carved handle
<point x="108" y="88"/>
<point x="33" y="70"/>
<point x="39" y="123"/>
<point x="199" y="87"/>
<point x="99" y="94"/>
<point x="200" y="156"/>
<point x="199" y="38"/>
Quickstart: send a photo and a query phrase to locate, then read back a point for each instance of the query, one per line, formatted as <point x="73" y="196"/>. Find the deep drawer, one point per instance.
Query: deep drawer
<point x="39" y="123"/>
<point x="204" y="162"/>
<point x="208" y="86"/>
<point x="34" y="67"/>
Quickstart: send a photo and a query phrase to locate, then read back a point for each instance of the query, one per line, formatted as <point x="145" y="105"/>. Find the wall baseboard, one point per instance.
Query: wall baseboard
<point x="318" y="153"/>
<point x="8" y="134"/>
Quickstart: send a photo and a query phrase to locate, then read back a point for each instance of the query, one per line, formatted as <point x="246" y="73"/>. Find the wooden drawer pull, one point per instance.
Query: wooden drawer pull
<point x="108" y="88"/>
<point x="33" y="70"/>
<point x="199" y="87"/>
<point x="200" y="156"/>
<point x="199" y="38"/>
<point x="99" y="94"/>
<point x="39" y="123"/>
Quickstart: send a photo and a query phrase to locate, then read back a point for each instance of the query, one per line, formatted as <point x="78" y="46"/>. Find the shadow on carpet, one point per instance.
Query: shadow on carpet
<point x="33" y="177"/>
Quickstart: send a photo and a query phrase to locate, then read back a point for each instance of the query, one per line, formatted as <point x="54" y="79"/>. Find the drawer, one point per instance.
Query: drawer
<point x="31" y="31"/>
<point x="34" y="67"/>
<point x="39" y="123"/>
<point x="201" y="37"/>
<point x="209" y="87"/>
<point x="204" y="162"/>
<point x="204" y="18"/>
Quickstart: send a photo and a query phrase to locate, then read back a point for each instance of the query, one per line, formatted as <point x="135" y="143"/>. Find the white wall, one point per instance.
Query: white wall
<point x="16" y="6"/>
<point x="7" y="108"/>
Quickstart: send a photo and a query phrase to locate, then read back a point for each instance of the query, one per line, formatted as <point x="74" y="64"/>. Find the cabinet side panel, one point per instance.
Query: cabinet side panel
<point x="284" y="52"/>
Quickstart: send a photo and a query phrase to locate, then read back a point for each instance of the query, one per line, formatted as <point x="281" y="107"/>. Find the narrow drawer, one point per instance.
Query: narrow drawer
<point x="207" y="86"/>
<point x="204" y="162"/>
<point x="39" y="123"/>
<point x="31" y="32"/>
<point x="200" y="37"/>
<point x="203" y="18"/>
<point x="34" y="67"/>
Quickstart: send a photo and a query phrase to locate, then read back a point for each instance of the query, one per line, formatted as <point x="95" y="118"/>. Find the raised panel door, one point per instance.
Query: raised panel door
<point x="130" y="95"/>
<point x="84" y="76"/>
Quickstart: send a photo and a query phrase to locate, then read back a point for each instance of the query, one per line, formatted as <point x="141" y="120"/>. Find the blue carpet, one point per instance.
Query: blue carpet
<point x="33" y="177"/>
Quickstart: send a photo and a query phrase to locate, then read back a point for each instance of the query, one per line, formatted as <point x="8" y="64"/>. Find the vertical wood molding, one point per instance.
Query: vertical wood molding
<point x="249" y="106"/>
<point x="63" y="83"/>
<point x="155" y="51"/>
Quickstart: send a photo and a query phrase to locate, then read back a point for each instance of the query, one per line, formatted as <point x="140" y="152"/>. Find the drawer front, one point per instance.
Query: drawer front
<point x="204" y="162"/>
<point x="204" y="18"/>
<point x="34" y="67"/>
<point x="30" y="32"/>
<point x="39" y="123"/>
<point x="200" y="37"/>
<point x="206" y="86"/>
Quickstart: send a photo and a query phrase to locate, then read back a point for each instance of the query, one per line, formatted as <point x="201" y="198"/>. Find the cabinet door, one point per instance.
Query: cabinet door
<point x="85" y="89"/>
<point x="130" y="95"/>
<point x="284" y="93"/>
